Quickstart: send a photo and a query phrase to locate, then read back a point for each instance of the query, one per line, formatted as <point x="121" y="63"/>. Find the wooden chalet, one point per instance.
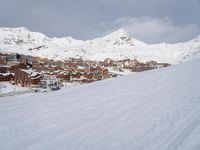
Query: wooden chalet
<point x="27" y="78"/>
<point x="7" y="77"/>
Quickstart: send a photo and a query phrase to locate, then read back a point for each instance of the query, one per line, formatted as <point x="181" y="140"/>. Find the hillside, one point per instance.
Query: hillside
<point x="117" y="45"/>
<point x="153" y="110"/>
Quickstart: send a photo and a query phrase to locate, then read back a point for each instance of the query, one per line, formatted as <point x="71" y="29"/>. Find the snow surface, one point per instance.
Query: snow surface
<point x="117" y="45"/>
<point x="7" y="89"/>
<point x="152" y="110"/>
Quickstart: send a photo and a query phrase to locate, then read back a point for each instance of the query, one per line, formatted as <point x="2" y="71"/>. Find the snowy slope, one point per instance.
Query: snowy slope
<point x="153" y="110"/>
<point x="117" y="45"/>
<point x="7" y="89"/>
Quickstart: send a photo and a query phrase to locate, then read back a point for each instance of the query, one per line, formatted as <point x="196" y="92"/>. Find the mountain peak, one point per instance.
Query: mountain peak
<point x="121" y="32"/>
<point x="122" y="37"/>
<point x="118" y="33"/>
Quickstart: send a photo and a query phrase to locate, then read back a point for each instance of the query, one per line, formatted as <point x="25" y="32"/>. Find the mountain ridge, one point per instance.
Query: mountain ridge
<point x="116" y="45"/>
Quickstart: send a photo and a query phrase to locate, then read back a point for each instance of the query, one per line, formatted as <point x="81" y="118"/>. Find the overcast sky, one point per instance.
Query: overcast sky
<point x="151" y="21"/>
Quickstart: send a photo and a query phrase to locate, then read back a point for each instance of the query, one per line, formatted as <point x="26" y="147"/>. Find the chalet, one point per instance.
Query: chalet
<point x="4" y="69"/>
<point x="134" y="62"/>
<point x="115" y="68"/>
<point x="75" y="76"/>
<point x="26" y="59"/>
<point x="27" y="78"/>
<point x="88" y="76"/>
<point x="59" y="63"/>
<point x="97" y="76"/>
<point x="141" y="68"/>
<point x="78" y="61"/>
<point x="64" y="76"/>
<point x="151" y="64"/>
<point x="120" y="65"/>
<point x="85" y="76"/>
<point x="7" y="77"/>
<point x="15" y="66"/>
<point x="86" y="81"/>
<point x="108" y="62"/>
<point x="13" y="57"/>
<point x="3" y="59"/>
<point x="161" y="65"/>
<point x="8" y="71"/>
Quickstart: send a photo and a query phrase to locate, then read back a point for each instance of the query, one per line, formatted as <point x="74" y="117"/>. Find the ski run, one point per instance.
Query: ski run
<point x="152" y="110"/>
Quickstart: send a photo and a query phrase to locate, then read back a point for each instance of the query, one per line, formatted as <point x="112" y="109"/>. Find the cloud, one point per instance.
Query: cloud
<point x="153" y="30"/>
<point x="88" y="19"/>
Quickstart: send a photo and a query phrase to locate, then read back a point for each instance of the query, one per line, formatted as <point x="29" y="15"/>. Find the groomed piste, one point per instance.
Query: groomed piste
<point x="153" y="110"/>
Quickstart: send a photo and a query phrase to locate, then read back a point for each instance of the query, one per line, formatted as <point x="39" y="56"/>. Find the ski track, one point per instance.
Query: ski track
<point x="178" y="133"/>
<point x="153" y="110"/>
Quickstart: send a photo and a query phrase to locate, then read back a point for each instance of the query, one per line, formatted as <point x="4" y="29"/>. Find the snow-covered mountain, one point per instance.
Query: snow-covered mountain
<point x="117" y="45"/>
<point x="153" y="110"/>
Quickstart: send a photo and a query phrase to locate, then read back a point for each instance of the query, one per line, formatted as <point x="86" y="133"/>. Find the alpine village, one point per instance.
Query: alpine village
<point x="43" y="75"/>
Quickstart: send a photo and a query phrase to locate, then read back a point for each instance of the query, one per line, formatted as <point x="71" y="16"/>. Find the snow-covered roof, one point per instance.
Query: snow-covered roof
<point x="31" y="72"/>
<point x="7" y="74"/>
